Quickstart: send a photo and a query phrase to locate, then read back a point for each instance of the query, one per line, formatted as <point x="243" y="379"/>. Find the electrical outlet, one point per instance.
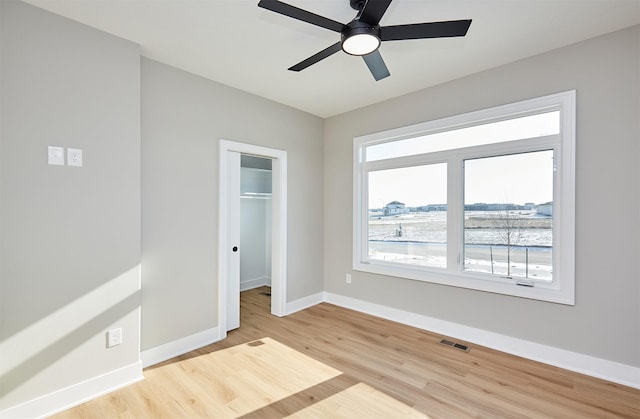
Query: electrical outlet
<point x="55" y="155"/>
<point x="114" y="337"/>
<point x="74" y="157"/>
<point x="348" y="278"/>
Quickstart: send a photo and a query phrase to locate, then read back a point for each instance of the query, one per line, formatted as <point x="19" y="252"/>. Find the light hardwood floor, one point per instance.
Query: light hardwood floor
<point x="372" y="356"/>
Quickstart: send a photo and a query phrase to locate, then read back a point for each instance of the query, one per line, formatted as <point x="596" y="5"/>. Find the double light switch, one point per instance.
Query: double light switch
<point x="56" y="156"/>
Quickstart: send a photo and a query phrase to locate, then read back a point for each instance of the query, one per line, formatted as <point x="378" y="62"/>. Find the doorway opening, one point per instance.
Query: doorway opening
<point x="255" y="222"/>
<point x="229" y="229"/>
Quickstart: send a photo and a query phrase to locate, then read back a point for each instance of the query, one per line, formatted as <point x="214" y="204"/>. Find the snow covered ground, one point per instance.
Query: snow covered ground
<point x="420" y="239"/>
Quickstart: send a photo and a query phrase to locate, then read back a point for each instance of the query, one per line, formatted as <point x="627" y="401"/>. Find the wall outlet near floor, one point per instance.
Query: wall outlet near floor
<point x="348" y="278"/>
<point x="114" y="337"/>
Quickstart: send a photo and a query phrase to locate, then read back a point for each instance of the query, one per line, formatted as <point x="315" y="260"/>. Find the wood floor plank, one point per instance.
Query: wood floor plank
<point x="373" y="358"/>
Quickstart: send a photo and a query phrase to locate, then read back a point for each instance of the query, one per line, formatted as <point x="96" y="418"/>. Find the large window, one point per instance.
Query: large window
<point x="483" y="200"/>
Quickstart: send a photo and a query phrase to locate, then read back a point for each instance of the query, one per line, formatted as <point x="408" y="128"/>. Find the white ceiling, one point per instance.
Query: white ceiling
<point x="236" y="43"/>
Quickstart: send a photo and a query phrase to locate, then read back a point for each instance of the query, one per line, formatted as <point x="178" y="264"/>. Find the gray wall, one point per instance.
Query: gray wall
<point x="70" y="244"/>
<point x="183" y="119"/>
<point x="605" y="322"/>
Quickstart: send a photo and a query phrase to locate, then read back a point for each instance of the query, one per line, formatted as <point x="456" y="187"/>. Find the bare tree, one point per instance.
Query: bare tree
<point x="509" y="225"/>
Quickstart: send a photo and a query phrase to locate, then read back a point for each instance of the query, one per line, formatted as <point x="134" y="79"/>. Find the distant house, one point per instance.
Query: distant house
<point x="545" y="209"/>
<point x="395" y="207"/>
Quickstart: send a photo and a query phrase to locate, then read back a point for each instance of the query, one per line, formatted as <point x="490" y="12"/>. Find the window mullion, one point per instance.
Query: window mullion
<point x="455" y="215"/>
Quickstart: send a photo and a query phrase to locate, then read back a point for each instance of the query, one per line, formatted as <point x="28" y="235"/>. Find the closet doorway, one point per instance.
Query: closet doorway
<point x="255" y="222"/>
<point x="252" y="203"/>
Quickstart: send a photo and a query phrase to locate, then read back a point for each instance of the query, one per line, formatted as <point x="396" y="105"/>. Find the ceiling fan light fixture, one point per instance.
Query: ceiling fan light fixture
<point x="360" y="39"/>
<point x="361" y="44"/>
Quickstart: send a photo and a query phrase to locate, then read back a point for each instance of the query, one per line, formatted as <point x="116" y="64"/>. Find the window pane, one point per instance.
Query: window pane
<point x="408" y="215"/>
<point x="496" y="132"/>
<point x="508" y="215"/>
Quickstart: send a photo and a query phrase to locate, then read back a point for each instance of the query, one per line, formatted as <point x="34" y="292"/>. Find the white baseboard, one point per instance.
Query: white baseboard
<point x="573" y="361"/>
<point x="76" y="394"/>
<point x="254" y="283"/>
<point x="178" y="347"/>
<point x="304" y="302"/>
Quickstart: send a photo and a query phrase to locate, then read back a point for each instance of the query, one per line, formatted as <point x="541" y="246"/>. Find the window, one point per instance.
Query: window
<point x="483" y="200"/>
<point x="395" y="234"/>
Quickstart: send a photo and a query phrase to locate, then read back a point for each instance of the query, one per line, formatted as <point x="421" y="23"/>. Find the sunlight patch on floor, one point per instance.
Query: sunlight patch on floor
<point x="361" y="401"/>
<point x="259" y="373"/>
<point x="266" y="377"/>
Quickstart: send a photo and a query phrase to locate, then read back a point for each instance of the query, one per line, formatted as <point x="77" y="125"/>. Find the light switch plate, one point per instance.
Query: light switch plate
<point x="55" y="155"/>
<point x="74" y="157"/>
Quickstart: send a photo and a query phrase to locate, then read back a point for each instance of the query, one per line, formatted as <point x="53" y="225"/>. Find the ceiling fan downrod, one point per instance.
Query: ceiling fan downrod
<point x="357" y="4"/>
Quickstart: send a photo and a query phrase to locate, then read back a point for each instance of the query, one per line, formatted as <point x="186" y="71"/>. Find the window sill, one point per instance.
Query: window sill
<point x="539" y="291"/>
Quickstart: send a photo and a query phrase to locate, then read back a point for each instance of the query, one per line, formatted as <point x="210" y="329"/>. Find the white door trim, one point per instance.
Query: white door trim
<point x="279" y="227"/>
<point x="234" y="163"/>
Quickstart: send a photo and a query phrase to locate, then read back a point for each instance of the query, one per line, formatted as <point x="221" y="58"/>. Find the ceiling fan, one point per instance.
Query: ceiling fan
<point x="363" y="35"/>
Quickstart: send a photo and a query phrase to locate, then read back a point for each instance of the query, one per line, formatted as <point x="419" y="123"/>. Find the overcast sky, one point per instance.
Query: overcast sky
<point x="513" y="179"/>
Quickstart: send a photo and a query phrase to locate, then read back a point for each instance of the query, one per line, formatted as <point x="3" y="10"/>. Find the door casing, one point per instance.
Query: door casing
<point x="278" y="223"/>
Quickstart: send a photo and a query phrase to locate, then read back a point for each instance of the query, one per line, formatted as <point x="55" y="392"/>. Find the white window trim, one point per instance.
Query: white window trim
<point x="562" y="289"/>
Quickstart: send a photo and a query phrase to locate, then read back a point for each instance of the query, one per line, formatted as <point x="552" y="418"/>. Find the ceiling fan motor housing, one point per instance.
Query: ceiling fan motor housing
<point x="355" y="28"/>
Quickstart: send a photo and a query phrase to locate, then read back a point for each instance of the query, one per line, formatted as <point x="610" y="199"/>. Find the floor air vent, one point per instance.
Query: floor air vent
<point x="455" y="345"/>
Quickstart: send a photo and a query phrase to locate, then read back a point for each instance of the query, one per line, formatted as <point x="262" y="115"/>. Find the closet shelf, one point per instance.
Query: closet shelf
<point x="256" y="195"/>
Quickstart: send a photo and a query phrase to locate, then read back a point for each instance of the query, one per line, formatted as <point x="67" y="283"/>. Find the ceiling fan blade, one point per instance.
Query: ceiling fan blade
<point x="373" y="11"/>
<point x="317" y="57"/>
<point x="376" y="65"/>
<point x="300" y="14"/>
<point x="425" y="30"/>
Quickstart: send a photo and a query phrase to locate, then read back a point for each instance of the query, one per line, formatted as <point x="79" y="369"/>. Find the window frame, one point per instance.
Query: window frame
<point x="562" y="288"/>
